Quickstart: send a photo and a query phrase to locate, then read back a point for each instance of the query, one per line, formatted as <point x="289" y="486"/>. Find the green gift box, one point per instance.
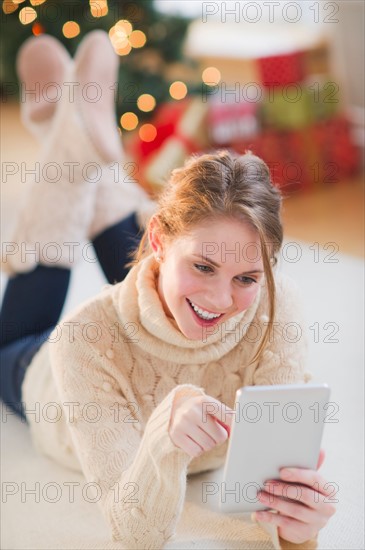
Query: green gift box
<point x="324" y="96"/>
<point x="287" y="107"/>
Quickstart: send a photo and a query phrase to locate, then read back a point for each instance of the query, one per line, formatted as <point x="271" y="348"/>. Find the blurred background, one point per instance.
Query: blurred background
<point x="284" y="79"/>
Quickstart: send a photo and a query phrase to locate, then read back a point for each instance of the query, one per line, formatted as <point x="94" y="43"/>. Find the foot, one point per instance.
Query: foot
<point x="96" y="71"/>
<point x="41" y="66"/>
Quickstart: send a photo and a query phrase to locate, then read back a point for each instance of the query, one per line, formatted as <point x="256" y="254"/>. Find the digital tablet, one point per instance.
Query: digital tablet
<point x="273" y="427"/>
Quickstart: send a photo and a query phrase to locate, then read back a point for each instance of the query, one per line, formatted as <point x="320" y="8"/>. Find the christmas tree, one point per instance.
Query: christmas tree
<point x="149" y="44"/>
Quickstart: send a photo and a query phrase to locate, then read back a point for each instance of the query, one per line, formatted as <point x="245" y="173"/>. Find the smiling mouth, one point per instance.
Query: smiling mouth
<point x="203" y="314"/>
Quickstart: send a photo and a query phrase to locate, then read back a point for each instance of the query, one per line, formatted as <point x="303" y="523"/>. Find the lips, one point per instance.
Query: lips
<point x="203" y="322"/>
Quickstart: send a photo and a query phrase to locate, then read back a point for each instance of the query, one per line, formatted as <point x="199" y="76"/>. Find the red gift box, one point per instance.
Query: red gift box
<point x="231" y="121"/>
<point x="279" y="70"/>
<point x="338" y="155"/>
<point x="267" y="146"/>
<point x="287" y="156"/>
<point x="297" y="171"/>
<point x="181" y="130"/>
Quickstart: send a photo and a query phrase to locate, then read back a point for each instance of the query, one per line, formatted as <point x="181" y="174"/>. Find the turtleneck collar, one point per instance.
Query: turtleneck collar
<point x="137" y="301"/>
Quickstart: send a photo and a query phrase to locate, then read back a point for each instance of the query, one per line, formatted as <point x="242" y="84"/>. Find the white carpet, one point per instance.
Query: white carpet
<point x="50" y="518"/>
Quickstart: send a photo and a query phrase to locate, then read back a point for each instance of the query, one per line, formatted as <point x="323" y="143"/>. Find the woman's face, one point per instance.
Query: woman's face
<point x="216" y="269"/>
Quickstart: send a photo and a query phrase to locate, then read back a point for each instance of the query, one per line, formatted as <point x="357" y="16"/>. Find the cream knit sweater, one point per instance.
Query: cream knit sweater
<point x="98" y="396"/>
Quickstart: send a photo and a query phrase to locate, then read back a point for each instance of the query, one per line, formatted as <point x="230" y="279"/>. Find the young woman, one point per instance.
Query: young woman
<point x="117" y="388"/>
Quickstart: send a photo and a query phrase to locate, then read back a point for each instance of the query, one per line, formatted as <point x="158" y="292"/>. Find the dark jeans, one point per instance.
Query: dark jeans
<point x="33" y="303"/>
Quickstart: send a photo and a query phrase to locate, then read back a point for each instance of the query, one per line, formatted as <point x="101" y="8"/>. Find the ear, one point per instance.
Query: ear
<point x="155" y="235"/>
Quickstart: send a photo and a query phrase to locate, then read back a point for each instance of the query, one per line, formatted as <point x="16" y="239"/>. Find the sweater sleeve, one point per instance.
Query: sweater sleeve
<point x="137" y="473"/>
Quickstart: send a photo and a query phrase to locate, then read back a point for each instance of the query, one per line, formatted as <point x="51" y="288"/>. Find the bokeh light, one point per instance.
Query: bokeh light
<point x="124" y="38"/>
<point x="178" y="90"/>
<point x="211" y="76"/>
<point x="147" y="132"/>
<point x="27" y="15"/>
<point x="37" y="2"/>
<point x="124" y="26"/>
<point x="71" y="29"/>
<point x="129" y="121"/>
<point x="137" y="39"/>
<point x="146" y="103"/>
<point x="9" y="7"/>
<point x="124" y="50"/>
<point x="98" y="8"/>
<point x="37" y="29"/>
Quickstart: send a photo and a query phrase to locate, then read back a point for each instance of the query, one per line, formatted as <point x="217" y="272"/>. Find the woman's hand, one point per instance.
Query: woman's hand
<point x="309" y="508"/>
<point x="195" y="423"/>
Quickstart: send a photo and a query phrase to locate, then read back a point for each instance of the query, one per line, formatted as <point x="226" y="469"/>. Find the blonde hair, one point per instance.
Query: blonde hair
<point x="223" y="185"/>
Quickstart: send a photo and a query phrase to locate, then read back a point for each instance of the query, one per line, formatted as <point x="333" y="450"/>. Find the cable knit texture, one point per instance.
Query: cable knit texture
<point x="112" y="368"/>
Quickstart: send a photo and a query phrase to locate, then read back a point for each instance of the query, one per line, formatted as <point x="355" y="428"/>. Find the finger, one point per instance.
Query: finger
<point x="185" y="443"/>
<point x="322" y="456"/>
<point x="200" y="437"/>
<point x="308" y="477"/>
<point x="288" y="508"/>
<point x="215" y="429"/>
<point x="215" y="408"/>
<point x="300" y="493"/>
<point x="229" y="417"/>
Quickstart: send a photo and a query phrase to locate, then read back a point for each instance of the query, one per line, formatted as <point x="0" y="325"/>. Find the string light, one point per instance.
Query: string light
<point x="37" y="2"/>
<point x="211" y="76"/>
<point x="124" y="26"/>
<point x="146" y="103"/>
<point x="124" y="50"/>
<point x="129" y="121"/>
<point x="71" y="29"/>
<point x="18" y="1"/>
<point x="27" y="15"/>
<point x="178" y="90"/>
<point x="137" y="39"/>
<point x="147" y="132"/>
<point x="98" y="8"/>
<point x="124" y="38"/>
<point x="9" y="7"/>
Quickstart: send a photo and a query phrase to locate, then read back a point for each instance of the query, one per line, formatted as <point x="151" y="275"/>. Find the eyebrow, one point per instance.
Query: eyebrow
<point x="217" y="265"/>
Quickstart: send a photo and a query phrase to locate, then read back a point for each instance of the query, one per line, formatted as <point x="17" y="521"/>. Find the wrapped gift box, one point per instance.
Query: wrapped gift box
<point x="323" y="93"/>
<point x="316" y="60"/>
<point x="181" y="130"/>
<point x="232" y="121"/>
<point x="280" y="70"/>
<point x="337" y="155"/>
<point x="280" y="113"/>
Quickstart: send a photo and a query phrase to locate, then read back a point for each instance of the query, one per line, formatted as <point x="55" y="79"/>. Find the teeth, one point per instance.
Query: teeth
<point x="204" y="314"/>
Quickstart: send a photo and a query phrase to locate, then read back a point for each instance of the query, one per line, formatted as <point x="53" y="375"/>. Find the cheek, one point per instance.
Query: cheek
<point x="186" y="286"/>
<point x="179" y="284"/>
<point x="248" y="297"/>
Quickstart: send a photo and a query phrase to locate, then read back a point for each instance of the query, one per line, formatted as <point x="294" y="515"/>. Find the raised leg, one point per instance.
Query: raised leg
<point x="113" y="245"/>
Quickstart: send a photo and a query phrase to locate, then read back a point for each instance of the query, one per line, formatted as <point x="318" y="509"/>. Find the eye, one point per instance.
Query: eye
<point x="246" y="280"/>
<point x="203" y="268"/>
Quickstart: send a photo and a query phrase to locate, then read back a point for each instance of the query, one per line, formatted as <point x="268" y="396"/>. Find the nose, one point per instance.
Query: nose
<point x="221" y="297"/>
